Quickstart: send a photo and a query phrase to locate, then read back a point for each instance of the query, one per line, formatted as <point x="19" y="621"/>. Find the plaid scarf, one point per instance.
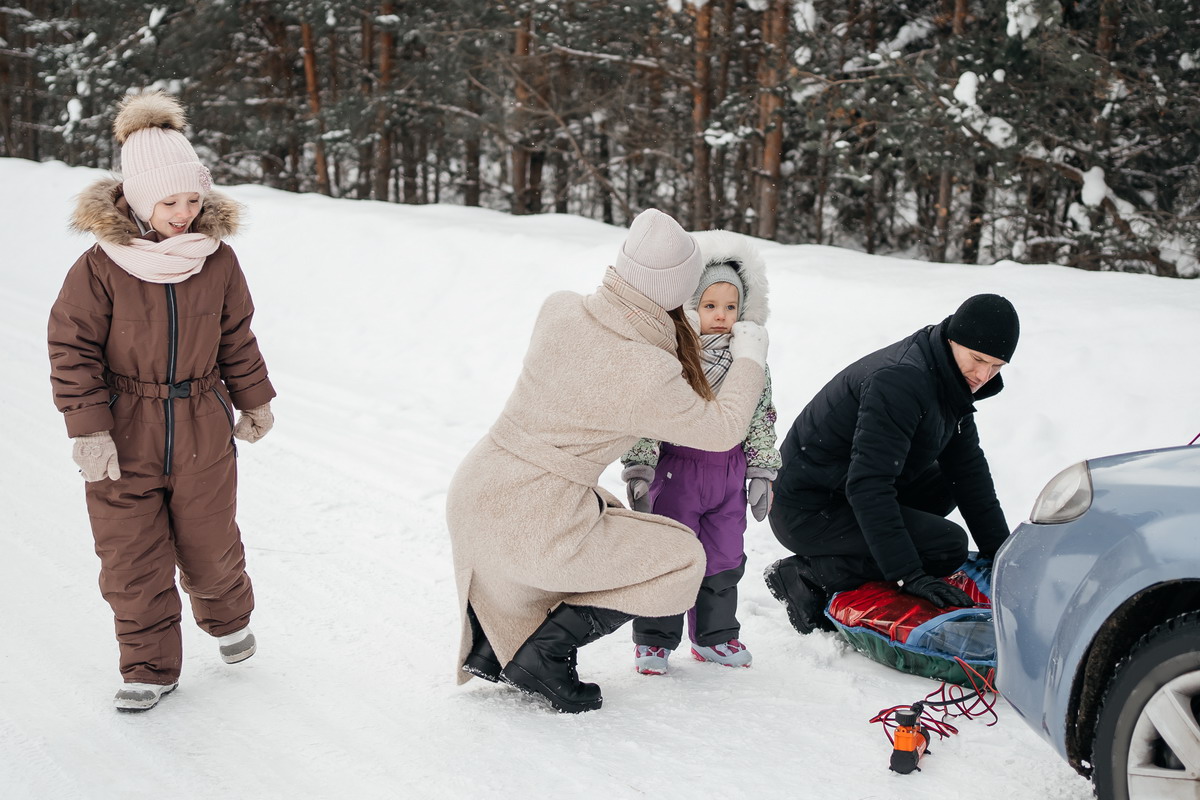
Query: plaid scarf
<point x="646" y="316"/>
<point x="715" y="357"/>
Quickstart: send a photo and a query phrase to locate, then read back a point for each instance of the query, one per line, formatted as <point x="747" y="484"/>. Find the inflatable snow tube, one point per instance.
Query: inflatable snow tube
<point x="915" y="636"/>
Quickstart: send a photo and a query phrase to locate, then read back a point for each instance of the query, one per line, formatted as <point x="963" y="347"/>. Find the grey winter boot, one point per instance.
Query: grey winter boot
<point x="141" y="696"/>
<point x="237" y="646"/>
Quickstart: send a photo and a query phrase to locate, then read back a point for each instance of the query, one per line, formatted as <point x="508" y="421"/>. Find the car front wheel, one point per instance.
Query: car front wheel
<point x="1148" y="734"/>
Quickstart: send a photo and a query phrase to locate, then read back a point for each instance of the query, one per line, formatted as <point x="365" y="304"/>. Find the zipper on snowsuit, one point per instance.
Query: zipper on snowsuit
<point x="229" y="415"/>
<point x="172" y="356"/>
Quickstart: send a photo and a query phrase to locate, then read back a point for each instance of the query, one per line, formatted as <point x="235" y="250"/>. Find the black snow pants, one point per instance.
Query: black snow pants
<point x="712" y="621"/>
<point x="832" y="543"/>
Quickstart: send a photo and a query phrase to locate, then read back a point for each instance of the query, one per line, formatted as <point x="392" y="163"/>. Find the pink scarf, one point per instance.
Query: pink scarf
<point x="172" y="260"/>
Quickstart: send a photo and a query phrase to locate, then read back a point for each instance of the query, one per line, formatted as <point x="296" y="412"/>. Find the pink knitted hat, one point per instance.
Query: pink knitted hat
<point x="157" y="160"/>
<point x="660" y="259"/>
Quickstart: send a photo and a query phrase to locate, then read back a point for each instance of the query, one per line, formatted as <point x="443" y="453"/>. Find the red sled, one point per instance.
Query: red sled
<point x="915" y="636"/>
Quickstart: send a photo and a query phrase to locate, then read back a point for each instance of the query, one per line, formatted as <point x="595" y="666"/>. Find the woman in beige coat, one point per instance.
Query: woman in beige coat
<point x="546" y="560"/>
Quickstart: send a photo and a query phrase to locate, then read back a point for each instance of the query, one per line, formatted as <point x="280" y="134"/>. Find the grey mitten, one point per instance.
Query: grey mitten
<point x="96" y="455"/>
<point x="254" y="423"/>
<point x="758" y="493"/>
<point x="637" y="479"/>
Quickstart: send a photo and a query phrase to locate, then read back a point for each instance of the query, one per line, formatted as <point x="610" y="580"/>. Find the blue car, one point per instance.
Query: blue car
<point x="1097" y="607"/>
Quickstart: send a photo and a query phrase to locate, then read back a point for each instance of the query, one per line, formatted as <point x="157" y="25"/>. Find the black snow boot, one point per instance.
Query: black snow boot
<point x="791" y="582"/>
<point x="545" y="665"/>
<point x="481" y="661"/>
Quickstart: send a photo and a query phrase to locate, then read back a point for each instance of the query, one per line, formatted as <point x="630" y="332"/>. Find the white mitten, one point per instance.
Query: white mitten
<point x="749" y="341"/>
<point x="96" y="455"/>
<point x="637" y="479"/>
<point x="254" y="423"/>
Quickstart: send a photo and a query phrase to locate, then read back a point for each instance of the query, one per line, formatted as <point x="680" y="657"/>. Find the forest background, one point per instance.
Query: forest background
<point x="1043" y="131"/>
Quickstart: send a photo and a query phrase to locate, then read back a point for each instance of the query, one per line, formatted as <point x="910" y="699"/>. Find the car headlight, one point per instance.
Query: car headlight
<point x="1066" y="496"/>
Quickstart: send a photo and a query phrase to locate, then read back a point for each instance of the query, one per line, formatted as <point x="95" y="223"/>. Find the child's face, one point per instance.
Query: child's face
<point x="173" y="215"/>
<point x="718" y="308"/>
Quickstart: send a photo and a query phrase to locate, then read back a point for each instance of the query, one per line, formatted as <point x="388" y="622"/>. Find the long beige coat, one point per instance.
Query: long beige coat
<point x="530" y="526"/>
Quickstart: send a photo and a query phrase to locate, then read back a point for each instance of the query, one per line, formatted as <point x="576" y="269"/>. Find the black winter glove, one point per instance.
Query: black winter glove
<point x="940" y="593"/>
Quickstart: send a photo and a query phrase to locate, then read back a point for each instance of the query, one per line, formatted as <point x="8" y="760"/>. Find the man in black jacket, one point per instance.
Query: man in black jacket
<point x="881" y="455"/>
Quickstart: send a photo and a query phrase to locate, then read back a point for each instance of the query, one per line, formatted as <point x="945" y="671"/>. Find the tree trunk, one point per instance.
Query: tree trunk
<point x="743" y="189"/>
<point x="383" y="126"/>
<point x="770" y="116"/>
<point x="870" y="223"/>
<point x="314" y="105"/>
<point x="471" y="186"/>
<point x="976" y="210"/>
<point x="439" y="152"/>
<point x="1109" y="29"/>
<point x="562" y="179"/>
<point x="275" y="163"/>
<point x="407" y="189"/>
<point x="942" y="215"/>
<point x="602" y="185"/>
<point x="366" y="69"/>
<point x="723" y="210"/>
<point x="822" y="176"/>
<point x="423" y="167"/>
<point x="520" y="153"/>
<point x="473" y="149"/>
<point x="701" y="111"/>
<point x="537" y="160"/>
<point x="7" y="149"/>
<point x="1106" y="48"/>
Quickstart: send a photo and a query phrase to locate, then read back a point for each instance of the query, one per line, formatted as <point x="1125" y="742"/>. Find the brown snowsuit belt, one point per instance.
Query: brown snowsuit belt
<point x="163" y="391"/>
<point x="524" y="445"/>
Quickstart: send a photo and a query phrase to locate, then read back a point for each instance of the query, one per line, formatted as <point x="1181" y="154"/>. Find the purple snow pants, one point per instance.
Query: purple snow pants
<point x="707" y="492"/>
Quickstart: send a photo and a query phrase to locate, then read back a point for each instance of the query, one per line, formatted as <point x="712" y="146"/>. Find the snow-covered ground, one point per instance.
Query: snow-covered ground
<point x="393" y="334"/>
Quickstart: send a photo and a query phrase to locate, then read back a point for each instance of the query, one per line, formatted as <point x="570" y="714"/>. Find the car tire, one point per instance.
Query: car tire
<point x="1156" y="689"/>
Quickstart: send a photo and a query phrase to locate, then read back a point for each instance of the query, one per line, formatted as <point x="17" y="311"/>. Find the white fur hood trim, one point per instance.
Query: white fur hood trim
<point x="741" y="253"/>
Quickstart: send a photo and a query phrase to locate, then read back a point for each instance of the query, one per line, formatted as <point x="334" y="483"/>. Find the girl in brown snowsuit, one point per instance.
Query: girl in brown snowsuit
<point x="150" y="352"/>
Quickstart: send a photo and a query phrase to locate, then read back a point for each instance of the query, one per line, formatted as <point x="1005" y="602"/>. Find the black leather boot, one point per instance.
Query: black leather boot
<point x="792" y="583"/>
<point x="545" y="665"/>
<point x="481" y="661"/>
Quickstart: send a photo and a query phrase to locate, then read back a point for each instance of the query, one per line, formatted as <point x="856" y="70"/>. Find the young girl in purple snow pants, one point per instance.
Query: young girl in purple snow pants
<point x="703" y="490"/>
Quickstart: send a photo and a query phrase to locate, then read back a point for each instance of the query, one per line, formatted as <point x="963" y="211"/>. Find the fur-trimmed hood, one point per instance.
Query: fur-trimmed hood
<point x="103" y="211"/>
<point x="738" y="251"/>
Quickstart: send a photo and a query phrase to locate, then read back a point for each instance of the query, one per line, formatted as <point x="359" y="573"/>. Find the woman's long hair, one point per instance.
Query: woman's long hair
<point x="689" y="354"/>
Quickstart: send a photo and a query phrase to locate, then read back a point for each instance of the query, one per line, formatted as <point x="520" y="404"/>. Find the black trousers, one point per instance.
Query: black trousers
<point x="713" y="620"/>
<point x="832" y="543"/>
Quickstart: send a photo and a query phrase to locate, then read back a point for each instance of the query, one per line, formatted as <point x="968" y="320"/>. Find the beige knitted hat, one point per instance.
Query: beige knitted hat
<point x="157" y="160"/>
<point x="660" y="259"/>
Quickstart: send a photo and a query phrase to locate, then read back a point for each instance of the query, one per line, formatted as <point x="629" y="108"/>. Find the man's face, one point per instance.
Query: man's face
<point x="976" y="367"/>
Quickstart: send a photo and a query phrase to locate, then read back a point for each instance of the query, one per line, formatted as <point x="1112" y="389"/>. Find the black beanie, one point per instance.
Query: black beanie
<point x="988" y="324"/>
